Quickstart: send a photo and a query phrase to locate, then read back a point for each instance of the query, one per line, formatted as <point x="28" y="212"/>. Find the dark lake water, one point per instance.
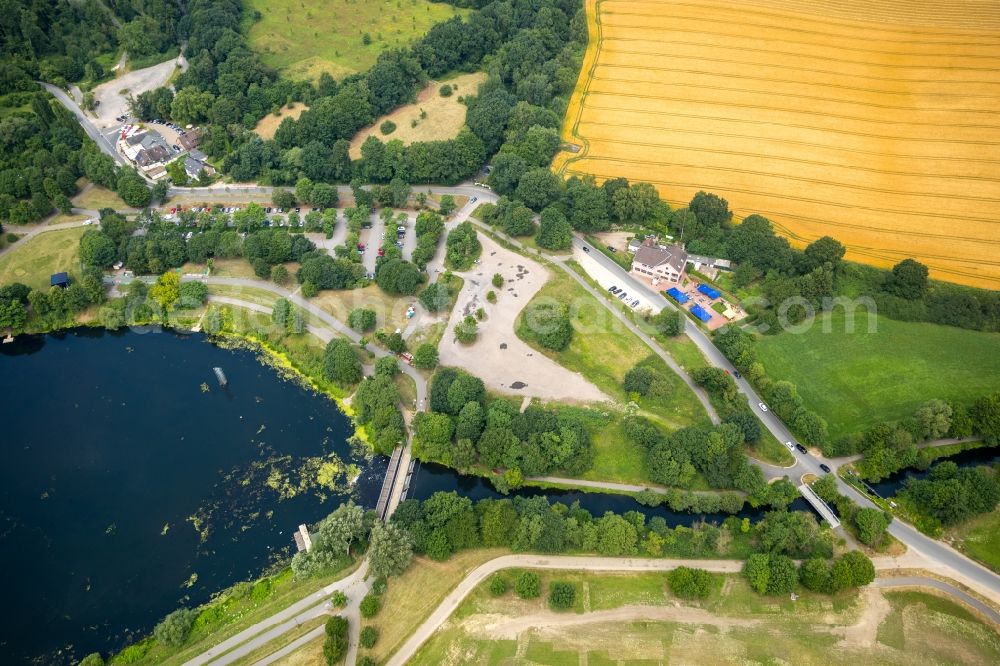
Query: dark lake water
<point x="113" y="454"/>
<point x="133" y="483"/>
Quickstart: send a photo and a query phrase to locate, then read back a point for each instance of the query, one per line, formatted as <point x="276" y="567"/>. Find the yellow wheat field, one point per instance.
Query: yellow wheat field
<point x="873" y="121"/>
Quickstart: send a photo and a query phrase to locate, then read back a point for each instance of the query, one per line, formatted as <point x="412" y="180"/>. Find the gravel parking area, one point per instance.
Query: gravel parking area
<point x="502" y="360"/>
<point x="112" y="103"/>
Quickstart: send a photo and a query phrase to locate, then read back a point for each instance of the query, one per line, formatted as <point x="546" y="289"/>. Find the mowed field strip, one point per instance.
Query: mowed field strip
<point x="883" y="133"/>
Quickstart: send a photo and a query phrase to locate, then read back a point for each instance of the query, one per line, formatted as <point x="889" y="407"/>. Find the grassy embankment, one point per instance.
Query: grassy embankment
<point x="33" y="261"/>
<point x="855" y="379"/>
<point x="689" y="357"/>
<point x="603" y="354"/>
<point x="231" y="612"/>
<point x="645" y="623"/>
<point x="307" y="38"/>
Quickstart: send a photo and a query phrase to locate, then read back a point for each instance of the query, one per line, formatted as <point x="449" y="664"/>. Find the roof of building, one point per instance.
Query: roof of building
<point x="190" y="139"/>
<point x="654" y="256"/>
<point x="715" y="262"/>
<point x="58" y="279"/>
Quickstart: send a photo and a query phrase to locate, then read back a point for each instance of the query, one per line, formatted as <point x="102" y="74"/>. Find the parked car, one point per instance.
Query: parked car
<point x="361" y="247"/>
<point x="381" y="252"/>
<point x="635" y="303"/>
<point x="612" y="250"/>
<point x="298" y="209"/>
<point x="399" y="244"/>
<point x="586" y="249"/>
<point x="762" y="406"/>
<point x="790" y="446"/>
<point x="268" y="210"/>
<point x="612" y="288"/>
<point x="801" y="448"/>
<point x="622" y="295"/>
<point x="825" y="468"/>
<point x="176" y="148"/>
<point x="401" y="229"/>
<point x="736" y="373"/>
<point x="474" y="199"/>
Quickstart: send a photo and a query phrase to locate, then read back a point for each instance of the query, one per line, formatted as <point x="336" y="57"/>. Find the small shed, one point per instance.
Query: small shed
<point x="59" y="280"/>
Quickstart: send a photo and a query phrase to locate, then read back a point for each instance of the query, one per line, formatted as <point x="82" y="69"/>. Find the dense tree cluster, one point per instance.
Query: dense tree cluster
<point x="463" y="247"/>
<point x="463" y="429"/>
<point x="428" y="228"/>
<point x="376" y="406"/>
<point x="950" y="494"/>
<point x="716" y="452"/>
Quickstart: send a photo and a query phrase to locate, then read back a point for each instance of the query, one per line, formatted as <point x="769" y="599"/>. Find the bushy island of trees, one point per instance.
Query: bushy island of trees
<point x="468" y="430"/>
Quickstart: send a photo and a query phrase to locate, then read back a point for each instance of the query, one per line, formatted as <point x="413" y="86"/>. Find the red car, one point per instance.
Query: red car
<point x="361" y="247"/>
<point x="173" y="210"/>
<point x="381" y="252"/>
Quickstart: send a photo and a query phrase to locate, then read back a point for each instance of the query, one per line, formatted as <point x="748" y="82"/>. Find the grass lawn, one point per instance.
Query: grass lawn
<point x="390" y="311"/>
<point x="431" y="118"/>
<point x="856" y="379"/>
<point x="979" y="538"/>
<point x="96" y="197"/>
<point x="268" y="125"/>
<point x="411" y="597"/>
<point x="603" y="350"/>
<point x="34" y="261"/>
<point x="307" y="37"/>
<point x="733" y="625"/>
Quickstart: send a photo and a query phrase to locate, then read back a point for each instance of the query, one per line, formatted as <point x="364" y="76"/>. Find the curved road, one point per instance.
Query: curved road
<point x="482" y="572"/>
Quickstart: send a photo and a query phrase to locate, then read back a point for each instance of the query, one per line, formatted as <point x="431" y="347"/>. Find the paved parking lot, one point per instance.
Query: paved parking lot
<point x="607" y="279"/>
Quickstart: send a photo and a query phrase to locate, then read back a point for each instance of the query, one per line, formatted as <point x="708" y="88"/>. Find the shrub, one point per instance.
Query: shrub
<point x="527" y="585"/>
<point x="491" y="296"/>
<point x="370" y="605"/>
<point x="497" y="280"/>
<point x="339" y="599"/>
<point x="366" y="661"/>
<point x="688" y="583"/>
<point x="638" y="380"/>
<point x="335" y="645"/>
<point x="445" y="90"/>
<point x="561" y="595"/>
<point x="361" y="319"/>
<point x="467" y="330"/>
<point x="369" y="635"/>
<point x="498" y="585"/>
<point x="174" y="628"/>
<point x="388" y="127"/>
<point x="426" y="356"/>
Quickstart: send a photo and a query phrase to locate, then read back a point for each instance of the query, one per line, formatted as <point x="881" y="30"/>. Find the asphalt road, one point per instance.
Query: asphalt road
<point x="88" y="126"/>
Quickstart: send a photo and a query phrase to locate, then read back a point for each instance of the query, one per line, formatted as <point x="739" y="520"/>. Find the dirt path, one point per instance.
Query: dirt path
<point x="510" y="628"/>
<point x="864" y="632"/>
<point x="502" y="360"/>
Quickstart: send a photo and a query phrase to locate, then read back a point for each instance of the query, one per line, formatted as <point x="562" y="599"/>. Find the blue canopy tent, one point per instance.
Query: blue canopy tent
<point x="708" y="291"/>
<point x="677" y="295"/>
<point x="700" y="313"/>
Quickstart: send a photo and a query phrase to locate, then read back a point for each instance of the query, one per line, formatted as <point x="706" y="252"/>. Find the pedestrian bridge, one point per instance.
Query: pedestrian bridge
<point x="821" y="507"/>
